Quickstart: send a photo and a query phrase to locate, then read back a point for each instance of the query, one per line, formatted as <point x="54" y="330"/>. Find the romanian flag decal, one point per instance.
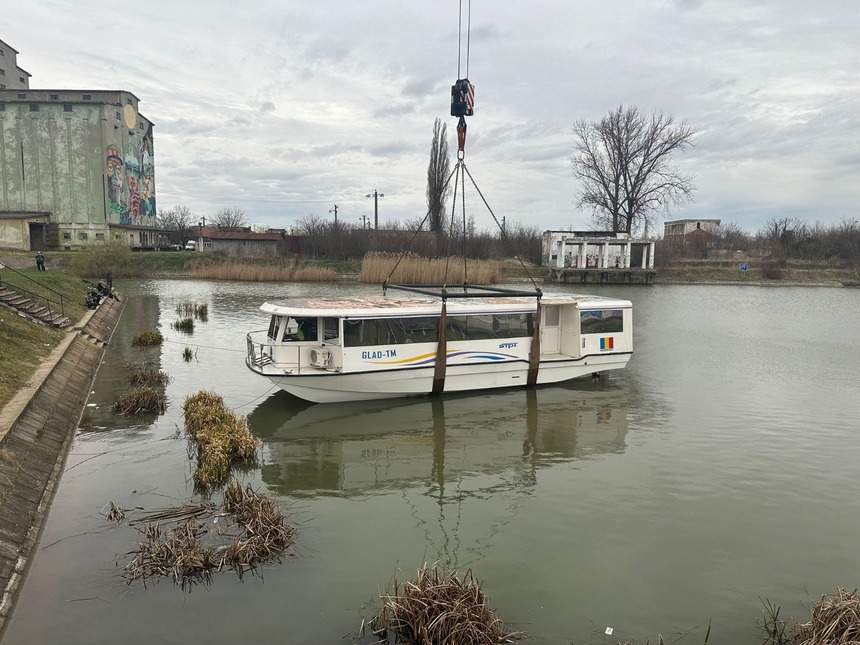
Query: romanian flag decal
<point x="607" y="344"/>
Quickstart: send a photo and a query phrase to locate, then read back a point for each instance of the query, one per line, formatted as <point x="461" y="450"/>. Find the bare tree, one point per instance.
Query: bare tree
<point x="178" y="220"/>
<point x="623" y="164"/>
<point x="437" y="174"/>
<point x="230" y="219"/>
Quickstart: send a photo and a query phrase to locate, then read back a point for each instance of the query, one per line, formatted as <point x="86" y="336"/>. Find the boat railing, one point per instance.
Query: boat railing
<point x="260" y="352"/>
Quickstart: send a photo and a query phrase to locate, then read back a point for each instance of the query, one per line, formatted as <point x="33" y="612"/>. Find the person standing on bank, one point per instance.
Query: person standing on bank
<point x="40" y="261"/>
<point x="109" y="280"/>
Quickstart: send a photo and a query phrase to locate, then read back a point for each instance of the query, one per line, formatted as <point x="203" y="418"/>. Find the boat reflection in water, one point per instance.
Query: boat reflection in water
<point x="357" y="448"/>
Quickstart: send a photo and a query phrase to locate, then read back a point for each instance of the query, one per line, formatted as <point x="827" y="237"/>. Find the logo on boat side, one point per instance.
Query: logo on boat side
<point x="507" y="345"/>
<point x="383" y="353"/>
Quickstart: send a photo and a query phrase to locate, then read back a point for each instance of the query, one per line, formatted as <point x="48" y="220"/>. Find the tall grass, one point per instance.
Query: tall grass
<point x="414" y="269"/>
<point x="147" y="339"/>
<point x="440" y="607"/>
<point x="222" y="440"/>
<point x="263" y="272"/>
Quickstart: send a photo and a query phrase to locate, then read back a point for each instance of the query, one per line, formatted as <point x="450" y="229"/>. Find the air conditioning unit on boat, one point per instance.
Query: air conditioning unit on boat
<point x="320" y="357"/>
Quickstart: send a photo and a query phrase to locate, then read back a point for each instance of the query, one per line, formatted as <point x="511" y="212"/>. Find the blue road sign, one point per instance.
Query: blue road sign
<point x="744" y="266"/>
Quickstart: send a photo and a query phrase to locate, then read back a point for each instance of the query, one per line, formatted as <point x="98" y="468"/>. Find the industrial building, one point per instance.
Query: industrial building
<point x="76" y="166"/>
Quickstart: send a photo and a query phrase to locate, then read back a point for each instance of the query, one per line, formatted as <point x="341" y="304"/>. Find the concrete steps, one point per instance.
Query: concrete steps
<point x="32" y="310"/>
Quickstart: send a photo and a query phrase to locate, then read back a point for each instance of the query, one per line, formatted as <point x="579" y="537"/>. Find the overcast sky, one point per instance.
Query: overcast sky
<point x="286" y="108"/>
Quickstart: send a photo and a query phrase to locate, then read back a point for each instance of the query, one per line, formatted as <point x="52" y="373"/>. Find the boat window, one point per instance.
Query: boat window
<point x="330" y="328"/>
<point x="273" y="328"/>
<point x="606" y="321"/>
<point x="306" y="329"/>
<point x="490" y="326"/>
<point x="389" y="331"/>
<point x="551" y="317"/>
<point x="423" y="329"/>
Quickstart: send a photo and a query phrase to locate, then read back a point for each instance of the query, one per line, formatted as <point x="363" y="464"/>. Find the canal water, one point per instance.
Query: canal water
<point x="719" y="470"/>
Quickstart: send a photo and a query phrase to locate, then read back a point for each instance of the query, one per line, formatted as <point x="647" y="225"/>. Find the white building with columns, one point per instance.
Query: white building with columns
<point x="596" y="250"/>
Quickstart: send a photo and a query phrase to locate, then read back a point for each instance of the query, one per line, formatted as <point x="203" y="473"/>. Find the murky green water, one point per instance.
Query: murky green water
<point x="720" y="468"/>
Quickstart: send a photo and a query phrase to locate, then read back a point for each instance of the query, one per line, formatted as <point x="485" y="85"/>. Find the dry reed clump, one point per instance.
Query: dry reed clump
<point x="267" y="535"/>
<point x="184" y="324"/>
<point x="147" y="339"/>
<point x="835" y="619"/>
<point x="413" y="269"/>
<point x="187" y="355"/>
<point x="255" y="272"/>
<point x="192" y="309"/>
<point x="144" y="374"/>
<point x="179" y="553"/>
<point x="440" y="607"/>
<point x="141" y="399"/>
<point x="222" y="440"/>
<point x="192" y="551"/>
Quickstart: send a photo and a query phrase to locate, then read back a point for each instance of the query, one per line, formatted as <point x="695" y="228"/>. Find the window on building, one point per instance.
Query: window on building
<point x="2" y="105"/>
<point x="34" y="107"/>
<point x="128" y="101"/>
<point x="2" y="53"/>
<point x="118" y="116"/>
<point x="2" y="87"/>
<point x="100" y="236"/>
<point x="22" y="96"/>
<point x="54" y="97"/>
<point x="67" y="107"/>
<point x="86" y="97"/>
<point x="22" y="79"/>
<point x="82" y="236"/>
<point x="67" y="236"/>
<point x="2" y="72"/>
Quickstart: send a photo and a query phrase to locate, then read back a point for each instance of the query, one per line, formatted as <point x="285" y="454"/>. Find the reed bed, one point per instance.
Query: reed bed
<point x="184" y="324"/>
<point x="187" y="355"/>
<point x="440" y="607"/>
<point x="267" y="534"/>
<point x="179" y="554"/>
<point x="220" y="438"/>
<point x="269" y="272"/>
<point x="147" y="339"/>
<point x="194" y="549"/>
<point x="141" y="399"/>
<point x="192" y="309"/>
<point x="835" y="619"/>
<point x="145" y="374"/>
<point x="414" y="269"/>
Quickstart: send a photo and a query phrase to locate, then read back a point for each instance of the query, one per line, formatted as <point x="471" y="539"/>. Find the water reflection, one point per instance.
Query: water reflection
<point x="357" y="448"/>
<point x="141" y="313"/>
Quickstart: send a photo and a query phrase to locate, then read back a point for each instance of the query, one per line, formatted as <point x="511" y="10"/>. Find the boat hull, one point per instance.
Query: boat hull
<point x="332" y="387"/>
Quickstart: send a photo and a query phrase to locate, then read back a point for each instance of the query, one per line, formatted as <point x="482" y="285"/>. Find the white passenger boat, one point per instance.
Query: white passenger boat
<point x="353" y="349"/>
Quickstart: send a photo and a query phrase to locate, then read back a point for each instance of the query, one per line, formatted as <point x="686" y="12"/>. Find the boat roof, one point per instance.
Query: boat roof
<point x="376" y="306"/>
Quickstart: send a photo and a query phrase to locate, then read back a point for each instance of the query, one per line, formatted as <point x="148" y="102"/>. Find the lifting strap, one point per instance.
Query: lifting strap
<point x="441" y="352"/>
<point x="534" y="355"/>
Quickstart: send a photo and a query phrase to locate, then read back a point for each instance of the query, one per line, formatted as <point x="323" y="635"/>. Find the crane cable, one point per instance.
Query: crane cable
<point x="460" y="37"/>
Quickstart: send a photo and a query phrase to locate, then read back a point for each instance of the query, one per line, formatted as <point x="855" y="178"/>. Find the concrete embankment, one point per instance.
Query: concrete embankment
<point x="36" y="429"/>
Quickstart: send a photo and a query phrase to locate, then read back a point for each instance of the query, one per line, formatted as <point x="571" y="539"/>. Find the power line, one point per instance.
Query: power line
<point x="243" y="198"/>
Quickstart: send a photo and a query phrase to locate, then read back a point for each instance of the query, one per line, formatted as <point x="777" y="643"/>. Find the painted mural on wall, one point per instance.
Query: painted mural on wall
<point x="131" y="180"/>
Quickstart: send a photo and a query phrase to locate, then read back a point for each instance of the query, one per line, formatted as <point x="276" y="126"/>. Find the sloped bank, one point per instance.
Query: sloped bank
<point x="34" y="440"/>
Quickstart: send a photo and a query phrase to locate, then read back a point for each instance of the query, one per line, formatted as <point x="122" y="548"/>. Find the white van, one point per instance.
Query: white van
<point x="191" y="245"/>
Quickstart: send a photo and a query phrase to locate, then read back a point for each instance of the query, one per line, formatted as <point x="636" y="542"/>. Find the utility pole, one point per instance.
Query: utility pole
<point x="334" y="210"/>
<point x="364" y="219"/>
<point x="376" y="195"/>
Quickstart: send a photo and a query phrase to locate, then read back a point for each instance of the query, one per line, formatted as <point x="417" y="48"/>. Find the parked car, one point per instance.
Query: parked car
<point x="191" y="245"/>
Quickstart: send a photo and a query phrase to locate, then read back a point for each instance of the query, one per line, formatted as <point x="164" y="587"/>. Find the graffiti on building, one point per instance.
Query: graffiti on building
<point x="115" y="182"/>
<point x="131" y="180"/>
